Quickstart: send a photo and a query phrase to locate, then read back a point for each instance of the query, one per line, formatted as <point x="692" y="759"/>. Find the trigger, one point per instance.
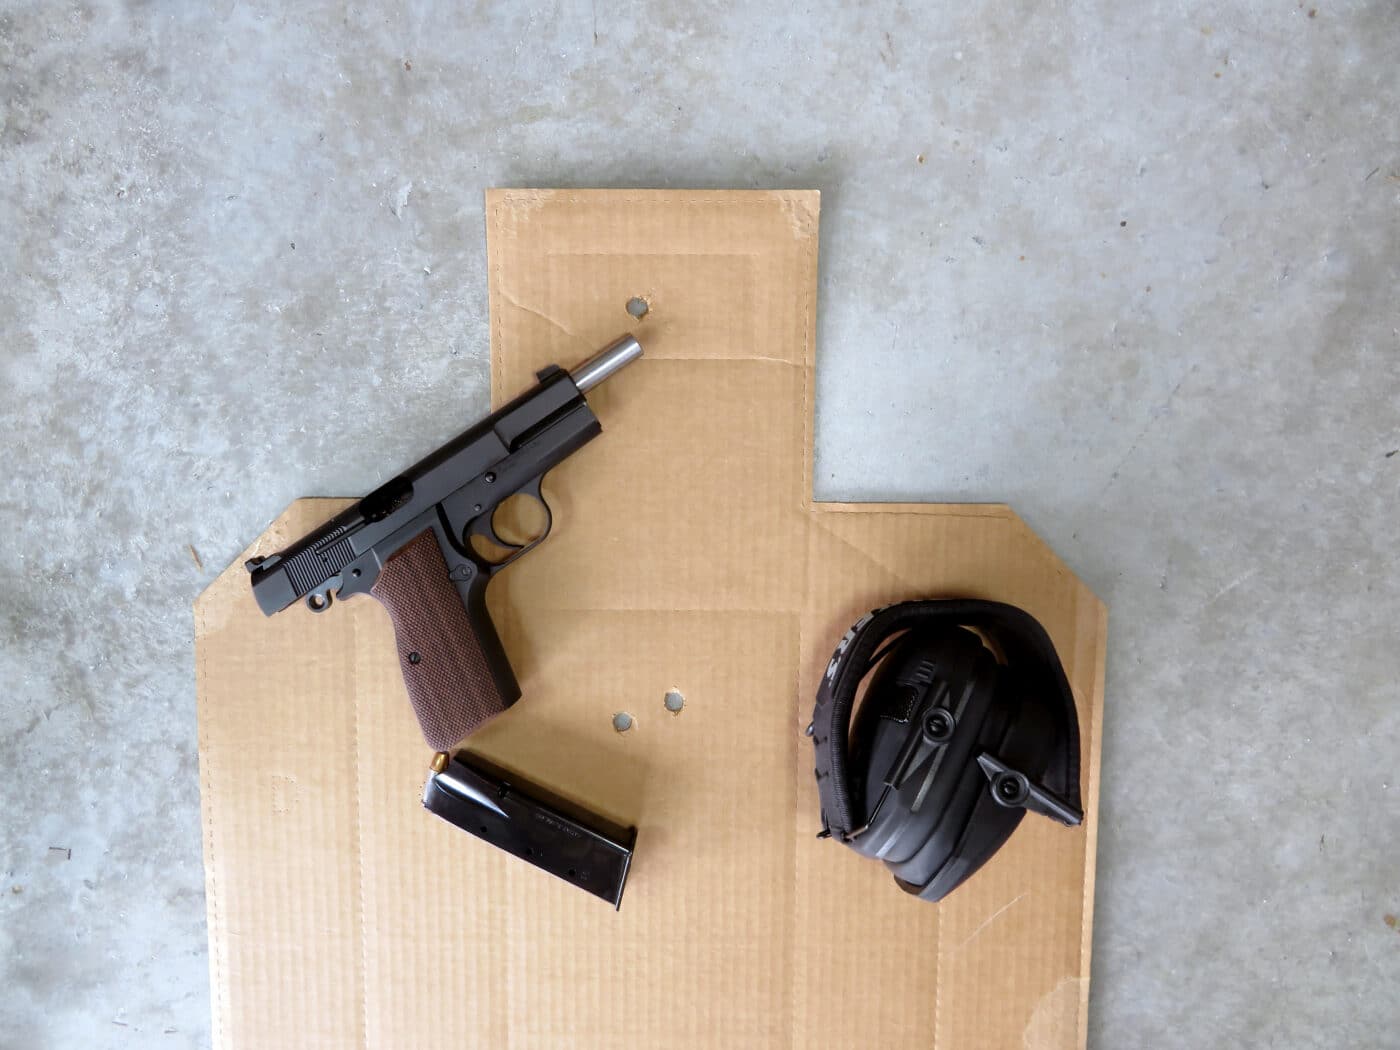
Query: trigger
<point x="485" y="527"/>
<point x="536" y="492"/>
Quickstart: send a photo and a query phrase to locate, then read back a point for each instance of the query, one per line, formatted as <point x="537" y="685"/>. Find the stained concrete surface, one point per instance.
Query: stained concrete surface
<point x="1131" y="267"/>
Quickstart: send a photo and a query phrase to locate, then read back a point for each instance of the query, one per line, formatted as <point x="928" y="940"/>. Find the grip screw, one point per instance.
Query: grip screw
<point x="414" y="658"/>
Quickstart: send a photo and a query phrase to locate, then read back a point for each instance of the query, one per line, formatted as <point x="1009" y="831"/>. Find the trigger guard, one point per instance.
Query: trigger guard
<point x="483" y="525"/>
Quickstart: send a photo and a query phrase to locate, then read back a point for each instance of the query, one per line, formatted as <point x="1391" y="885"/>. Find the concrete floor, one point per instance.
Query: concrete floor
<point x="1129" y="267"/>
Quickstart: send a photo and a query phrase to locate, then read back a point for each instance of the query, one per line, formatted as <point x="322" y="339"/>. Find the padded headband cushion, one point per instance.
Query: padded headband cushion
<point x="1023" y="641"/>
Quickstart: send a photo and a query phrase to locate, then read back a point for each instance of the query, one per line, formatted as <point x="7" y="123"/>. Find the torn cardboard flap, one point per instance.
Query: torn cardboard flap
<point x="687" y="555"/>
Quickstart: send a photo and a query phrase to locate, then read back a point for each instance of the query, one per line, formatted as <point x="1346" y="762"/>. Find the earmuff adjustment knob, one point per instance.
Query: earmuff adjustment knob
<point x="1013" y="789"/>
<point x="1010" y="789"/>
<point x="939" y="725"/>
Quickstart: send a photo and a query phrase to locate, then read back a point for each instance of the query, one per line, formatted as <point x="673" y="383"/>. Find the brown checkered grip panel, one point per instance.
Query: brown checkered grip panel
<point x="452" y="661"/>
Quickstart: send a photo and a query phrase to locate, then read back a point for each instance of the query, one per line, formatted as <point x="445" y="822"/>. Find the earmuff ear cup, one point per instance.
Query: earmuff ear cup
<point x="940" y="824"/>
<point x="945" y="862"/>
<point x="957" y="729"/>
<point x="920" y="661"/>
<point x="1017" y="731"/>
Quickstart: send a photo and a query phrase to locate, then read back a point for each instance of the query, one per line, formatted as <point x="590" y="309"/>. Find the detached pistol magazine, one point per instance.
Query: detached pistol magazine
<point x="410" y="545"/>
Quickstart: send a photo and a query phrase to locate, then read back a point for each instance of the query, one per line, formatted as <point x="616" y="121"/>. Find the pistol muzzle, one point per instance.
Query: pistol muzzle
<point x="605" y="362"/>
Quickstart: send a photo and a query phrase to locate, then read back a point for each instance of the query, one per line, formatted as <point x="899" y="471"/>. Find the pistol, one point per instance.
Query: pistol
<point x="413" y="544"/>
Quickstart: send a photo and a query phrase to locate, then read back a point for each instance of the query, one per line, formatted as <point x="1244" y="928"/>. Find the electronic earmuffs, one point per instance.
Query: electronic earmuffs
<point x="967" y="722"/>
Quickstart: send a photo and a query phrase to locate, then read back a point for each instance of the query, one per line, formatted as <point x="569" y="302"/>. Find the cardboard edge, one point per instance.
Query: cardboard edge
<point x="1091" y="804"/>
<point x="1054" y="557"/>
<point x="217" y="937"/>
<point x="802" y="204"/>
<point x="493" y="201"/>
<point x="1093" y="635"/>
<point x="942" y="510"/>
<point x="1002" y="511"/>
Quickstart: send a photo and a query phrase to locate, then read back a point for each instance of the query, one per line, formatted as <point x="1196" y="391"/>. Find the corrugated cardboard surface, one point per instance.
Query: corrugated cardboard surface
<point x="687" y="554"/>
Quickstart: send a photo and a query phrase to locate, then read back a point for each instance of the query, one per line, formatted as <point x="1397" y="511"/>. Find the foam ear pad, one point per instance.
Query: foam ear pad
<point x="966" y="723"/>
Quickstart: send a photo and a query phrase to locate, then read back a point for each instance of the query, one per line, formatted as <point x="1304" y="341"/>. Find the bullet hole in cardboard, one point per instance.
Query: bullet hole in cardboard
<point x="674" y="701"/>
<point x="638" y="307"/>
<point x="622" y="722"/>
